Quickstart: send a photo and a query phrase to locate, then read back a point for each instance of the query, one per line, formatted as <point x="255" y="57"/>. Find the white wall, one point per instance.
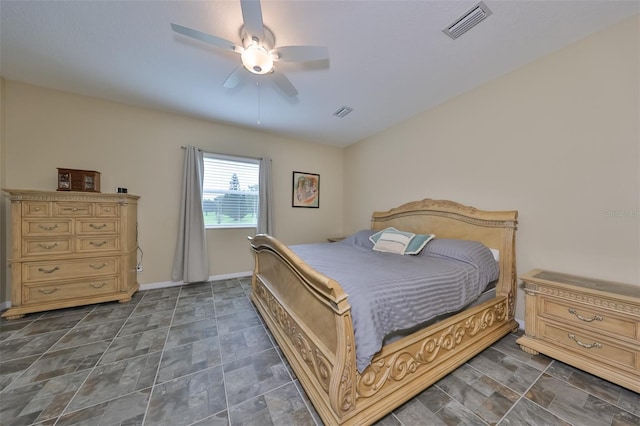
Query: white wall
<point x="140" y="149"/>
<point x="558" y="140"/>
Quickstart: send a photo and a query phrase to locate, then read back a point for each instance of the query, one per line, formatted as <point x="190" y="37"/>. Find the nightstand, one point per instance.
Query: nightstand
<point x="590" y="324"/>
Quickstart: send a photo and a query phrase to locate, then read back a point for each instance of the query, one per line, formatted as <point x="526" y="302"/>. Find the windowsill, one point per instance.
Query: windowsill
<point x="229" y="227"/>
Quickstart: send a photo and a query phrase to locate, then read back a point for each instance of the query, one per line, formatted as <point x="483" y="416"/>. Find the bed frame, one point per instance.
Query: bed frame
<point x="310" y="317"/>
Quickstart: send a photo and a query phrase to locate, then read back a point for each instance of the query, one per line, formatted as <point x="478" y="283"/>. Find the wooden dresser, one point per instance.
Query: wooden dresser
<point x="593" y="325"/>
<point x="71" y="249"/>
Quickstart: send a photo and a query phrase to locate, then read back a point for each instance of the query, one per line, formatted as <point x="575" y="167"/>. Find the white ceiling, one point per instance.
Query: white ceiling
<point x="389" y="60"/>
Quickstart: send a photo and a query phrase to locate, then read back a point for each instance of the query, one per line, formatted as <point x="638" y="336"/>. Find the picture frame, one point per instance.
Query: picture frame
<point x="305" y="190"/>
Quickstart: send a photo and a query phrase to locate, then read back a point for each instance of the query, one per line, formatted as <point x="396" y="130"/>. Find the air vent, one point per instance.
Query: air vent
<point x="469" y="20"/>
<point x="342" y="111"/>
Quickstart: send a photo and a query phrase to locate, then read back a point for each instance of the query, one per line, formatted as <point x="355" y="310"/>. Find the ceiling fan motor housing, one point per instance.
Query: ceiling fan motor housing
<point x="256" y="57"/>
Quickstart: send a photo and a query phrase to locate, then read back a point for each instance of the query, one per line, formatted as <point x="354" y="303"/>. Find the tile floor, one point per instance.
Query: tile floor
<point x="200" y="355"/>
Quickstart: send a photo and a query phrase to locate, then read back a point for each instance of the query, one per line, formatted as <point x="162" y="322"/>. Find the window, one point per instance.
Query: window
<point x="230" y="191"/>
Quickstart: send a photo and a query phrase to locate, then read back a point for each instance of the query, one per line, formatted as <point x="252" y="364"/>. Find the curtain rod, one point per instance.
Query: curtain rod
<point x="225" y="155"/>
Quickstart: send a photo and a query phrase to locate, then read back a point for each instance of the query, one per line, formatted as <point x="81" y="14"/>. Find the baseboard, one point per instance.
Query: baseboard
<point x="520" y="323"/>
<point x="166" y="284"/>
<point x="5" y="305"/>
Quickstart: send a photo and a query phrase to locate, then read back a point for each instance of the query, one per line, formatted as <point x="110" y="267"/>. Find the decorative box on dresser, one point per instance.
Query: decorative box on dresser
<point x="591" y="324"/>
<point x="71" y="249"/>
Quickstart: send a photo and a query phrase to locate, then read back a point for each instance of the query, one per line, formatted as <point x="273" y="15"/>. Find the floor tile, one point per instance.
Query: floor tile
<point x="191" y="332"/>
<point x="190" y="358"/>
<point x="27" y="346"/>
<point x="188" y="399"/>
<point x="244" y="343"/>
<point x="62" y="362"/>
<point x="126" y="410"/>
<point x="135" y="325"/>
<point x="39" y="401"/>
<point x="45" y="325"/>
<point x="134" y="345"/>
<point x="111" y="381"/>
<point x="281" y="406"/>
<point x="194" y="311"/>
<point x="254" y="375"/>
<point x="82" y="335"/>
<point x="12" y="369"/>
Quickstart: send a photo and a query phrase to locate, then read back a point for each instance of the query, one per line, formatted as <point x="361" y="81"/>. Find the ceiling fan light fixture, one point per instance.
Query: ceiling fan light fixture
<point x="257" y="59"/>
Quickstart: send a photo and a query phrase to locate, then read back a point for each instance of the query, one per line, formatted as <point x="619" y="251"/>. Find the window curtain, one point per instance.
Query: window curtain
<point x="265" y="203"/>
<point x="191" y="262"/>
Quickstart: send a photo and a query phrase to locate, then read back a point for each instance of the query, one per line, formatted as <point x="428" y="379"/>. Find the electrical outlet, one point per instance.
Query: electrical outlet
<point x="139" y="268"/>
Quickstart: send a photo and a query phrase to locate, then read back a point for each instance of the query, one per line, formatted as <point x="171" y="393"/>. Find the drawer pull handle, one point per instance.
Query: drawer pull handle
<point x="97" y="243"/>
<point x="48" y="271"/>
<point x="102" y="284"/>
<point x="94" y="226"/>
<point x="584" y="345"/>
<point x="108" y="210"/>
<point x="48" y="228"/>
<point x="37" y="209"/>
<point x="94" y="266"/>
<point x="48" y="246"/>
<point x="581" y="318"/>
<point x="74" y="209"/>
<point x="46" y="291"/>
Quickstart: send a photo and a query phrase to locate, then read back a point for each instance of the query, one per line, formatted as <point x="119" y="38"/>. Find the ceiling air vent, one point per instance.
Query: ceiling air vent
<point x="469" y="20"/>
<point x="342" y="111"/>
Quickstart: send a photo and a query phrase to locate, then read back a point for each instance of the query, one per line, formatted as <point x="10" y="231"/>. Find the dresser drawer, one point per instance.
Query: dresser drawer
<point x="38" y="293"/>
<point x="41" y="227"/>
<point x="107" y="210"/>
<point x="73" y="209"/>
<point x="64" y="269"/>
<point x="590" y="317"/>
<point x="93" y="226"/>
<point x="591" y="346"/>
<point x="97" y="243"/>
<point x="36" y="209"/>
<point x="44" y="246"/>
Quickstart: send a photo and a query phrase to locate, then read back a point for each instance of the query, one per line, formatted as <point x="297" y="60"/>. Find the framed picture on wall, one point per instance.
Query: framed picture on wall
<point x="306" y="190"/>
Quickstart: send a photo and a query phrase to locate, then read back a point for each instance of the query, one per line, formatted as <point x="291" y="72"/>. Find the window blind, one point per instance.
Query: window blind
<point x="230" y="191"/>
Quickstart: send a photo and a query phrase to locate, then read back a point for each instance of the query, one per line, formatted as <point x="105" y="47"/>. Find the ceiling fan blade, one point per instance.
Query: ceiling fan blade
<point x="207" y="38"/>
<point x="301" y="53"/>
<point x="283" y="83"/>
<point x="252" y="16"/>
<point x="234" y="78"/>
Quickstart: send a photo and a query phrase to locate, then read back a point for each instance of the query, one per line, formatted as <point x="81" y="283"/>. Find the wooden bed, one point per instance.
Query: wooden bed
<point x="309" y="316"/>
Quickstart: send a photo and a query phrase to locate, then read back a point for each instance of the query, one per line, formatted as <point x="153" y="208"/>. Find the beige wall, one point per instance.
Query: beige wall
<point x="4" y="210"/>
<point x="140" y="149"/>
<point x="558" y="140"/>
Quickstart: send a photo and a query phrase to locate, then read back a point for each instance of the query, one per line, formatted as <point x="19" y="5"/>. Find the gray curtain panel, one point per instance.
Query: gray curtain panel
<point x="265" y="204"/>
<point x="191" y="262"/>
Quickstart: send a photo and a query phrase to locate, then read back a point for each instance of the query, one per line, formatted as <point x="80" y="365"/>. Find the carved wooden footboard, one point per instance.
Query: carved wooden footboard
<point x="309" y="316"/>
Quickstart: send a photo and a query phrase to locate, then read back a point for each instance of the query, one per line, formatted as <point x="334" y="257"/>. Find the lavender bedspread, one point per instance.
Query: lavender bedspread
<point x="390" y="292"/>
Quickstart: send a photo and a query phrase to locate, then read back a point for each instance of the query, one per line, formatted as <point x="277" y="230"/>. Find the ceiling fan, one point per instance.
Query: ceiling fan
<point x="257" y="53"/>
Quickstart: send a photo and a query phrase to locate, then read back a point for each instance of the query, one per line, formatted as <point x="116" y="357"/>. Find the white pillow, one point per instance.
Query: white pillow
<point x="393" y="241"/>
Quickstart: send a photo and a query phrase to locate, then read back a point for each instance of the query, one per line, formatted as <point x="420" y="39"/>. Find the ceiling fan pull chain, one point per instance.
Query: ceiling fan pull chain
<point x="258" y="86"/>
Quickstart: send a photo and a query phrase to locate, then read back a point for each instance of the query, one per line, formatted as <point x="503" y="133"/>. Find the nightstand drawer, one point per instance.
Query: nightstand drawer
<point x="49" y="271"/>
<point x="41" y="246"/>
<point x="38" y="293"/>
<point x="592" y="346"/>
<point x="40" y="227"/>
<point x="93" y="226"/>
<point x="589" y="317"/>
